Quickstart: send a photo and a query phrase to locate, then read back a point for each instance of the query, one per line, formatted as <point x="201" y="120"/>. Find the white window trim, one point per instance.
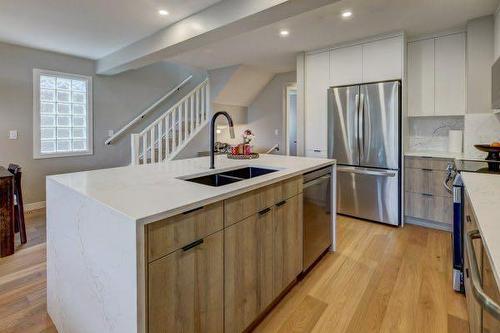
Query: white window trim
<point x="36" y="114"/>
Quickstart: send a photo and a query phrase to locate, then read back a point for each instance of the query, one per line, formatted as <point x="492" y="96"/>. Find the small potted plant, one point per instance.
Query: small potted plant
<point x="248" y="136"/>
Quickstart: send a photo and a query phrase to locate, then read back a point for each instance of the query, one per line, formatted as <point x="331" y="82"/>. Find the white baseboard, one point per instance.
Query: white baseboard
<point x="34" y="206"/>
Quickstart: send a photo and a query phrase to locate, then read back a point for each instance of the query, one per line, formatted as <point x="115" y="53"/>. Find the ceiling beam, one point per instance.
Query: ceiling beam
<point x="223" y="20"/>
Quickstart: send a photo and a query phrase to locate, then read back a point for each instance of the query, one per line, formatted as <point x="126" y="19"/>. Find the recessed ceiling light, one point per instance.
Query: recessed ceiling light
<point x="163" y="12"/>
<point x="347" y="14"/>
<point x="284" y="33"/>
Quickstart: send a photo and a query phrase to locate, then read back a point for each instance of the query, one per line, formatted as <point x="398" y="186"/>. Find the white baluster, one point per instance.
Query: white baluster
<point x="134" y="141"/>
<point x="167" y="134"/>
<point x="197" y="110"/>
<point x="179" y="125"/>
<point x="174" y="134"/>
<point x="191" y="98"/>
<point x="144" y="148"/>
<point x="207" y="109"/>
<point x="152" y="144"/>
<point x="186" y="129"/>
<point x="202" y="115"/>
<point x="160" y="140"/>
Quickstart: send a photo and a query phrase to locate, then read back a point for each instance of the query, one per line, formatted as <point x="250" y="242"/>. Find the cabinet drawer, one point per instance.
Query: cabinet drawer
<point x="247" y="204"/>
<point x="426" y="181"/>
<point x="287" y="189"/>
<point x="426" y="163"/>
<point x="175" y="232"/>
<point x="428" y="207"/>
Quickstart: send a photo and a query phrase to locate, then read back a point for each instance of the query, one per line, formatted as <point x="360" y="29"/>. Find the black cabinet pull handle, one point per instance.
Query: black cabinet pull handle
<point x="193" y="244"/>
<point x="264" y="211"/>
<point x="281" y="203"/>
<point x="427" y="194"/>
<point x="192" y="210"/>
<point x="317" y="150"/>
<point x="426" y="169"/>
<point x="467" y="272"/>
<point x="468" y="219"/>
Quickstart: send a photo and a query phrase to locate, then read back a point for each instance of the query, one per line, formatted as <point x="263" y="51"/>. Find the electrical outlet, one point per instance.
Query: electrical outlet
<point x="13" y="135"/>
<point x="276" y="132"/>
<point x="110" y="133"/>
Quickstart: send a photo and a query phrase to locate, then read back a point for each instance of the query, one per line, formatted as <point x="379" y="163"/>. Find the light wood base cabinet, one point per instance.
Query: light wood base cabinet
<point x="248" y="270"/>
<point x="186" y="289"/>
<point x="219" y="267"/>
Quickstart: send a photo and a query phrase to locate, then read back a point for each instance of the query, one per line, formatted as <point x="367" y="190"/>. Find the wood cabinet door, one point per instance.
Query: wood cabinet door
<point x="421" y="78"/>
<point x="248" y="270"/>
<point x="473" y="307"/>
<point x="490" y="287"/>
<point x="383" y="60"/>
<point x="450" y="75"/>
<point x="317" y="78"/>
<point x="288" y="239"/>
<point x="185" y="289"/>
<point x="346" y="65"/>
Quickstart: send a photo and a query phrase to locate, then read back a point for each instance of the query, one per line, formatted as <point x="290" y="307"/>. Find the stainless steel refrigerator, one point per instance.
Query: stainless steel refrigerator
<point x="364" y="137"/>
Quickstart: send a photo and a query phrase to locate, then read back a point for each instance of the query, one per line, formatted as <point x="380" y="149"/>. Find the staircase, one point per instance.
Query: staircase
<point x="171" y="132"/>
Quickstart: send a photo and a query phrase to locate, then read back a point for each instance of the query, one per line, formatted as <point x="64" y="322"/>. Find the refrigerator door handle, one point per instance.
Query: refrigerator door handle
<point x="383" y="173"/>
<point x="361" y="134"/>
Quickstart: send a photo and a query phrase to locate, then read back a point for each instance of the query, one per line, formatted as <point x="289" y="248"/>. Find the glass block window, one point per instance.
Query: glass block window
<point x="62" y="114"/>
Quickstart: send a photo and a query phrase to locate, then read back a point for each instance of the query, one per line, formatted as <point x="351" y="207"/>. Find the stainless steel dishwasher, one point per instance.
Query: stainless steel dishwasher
<point x="317" y="214"/>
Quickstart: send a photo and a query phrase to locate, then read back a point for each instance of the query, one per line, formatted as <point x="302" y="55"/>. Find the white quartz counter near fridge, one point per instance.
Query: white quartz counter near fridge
<point x="95" y="232"/>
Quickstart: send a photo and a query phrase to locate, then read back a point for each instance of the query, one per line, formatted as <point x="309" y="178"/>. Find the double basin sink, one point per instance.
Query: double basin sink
<point x="231" y="176"/>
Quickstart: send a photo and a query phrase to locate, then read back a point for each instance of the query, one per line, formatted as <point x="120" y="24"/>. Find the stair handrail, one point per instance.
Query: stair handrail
<point x="148" y="110"/>
<point x="173" y="107"/>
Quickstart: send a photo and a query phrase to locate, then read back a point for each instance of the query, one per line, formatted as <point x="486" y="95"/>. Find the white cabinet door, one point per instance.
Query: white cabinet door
<point x="421" y="78"/>
<point x="382" y="60"/>
<point x="316" y="104"/>
<point x="450" y="75"/>
<point x="346" y="65"/>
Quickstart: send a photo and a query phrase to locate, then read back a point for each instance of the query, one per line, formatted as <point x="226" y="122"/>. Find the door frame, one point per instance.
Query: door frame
<point x="289" y="86"/>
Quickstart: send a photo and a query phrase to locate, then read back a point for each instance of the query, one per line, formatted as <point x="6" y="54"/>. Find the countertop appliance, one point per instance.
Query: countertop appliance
<point x="453" y="176"/>
<point x="364" y="136"/>
<point x="317" y="215"/>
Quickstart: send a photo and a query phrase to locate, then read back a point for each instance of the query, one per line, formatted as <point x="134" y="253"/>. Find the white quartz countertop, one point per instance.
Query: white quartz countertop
<point x="444" y="155"/>
<point x="484" y="194"/>
<point x="147" y="193"/>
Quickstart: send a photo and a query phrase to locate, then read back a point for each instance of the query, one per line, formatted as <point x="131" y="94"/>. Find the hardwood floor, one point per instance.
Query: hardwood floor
<point x="381" y="279"/>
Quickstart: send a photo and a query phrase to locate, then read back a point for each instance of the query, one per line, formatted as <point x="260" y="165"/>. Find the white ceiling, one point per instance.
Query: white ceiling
<point x="88" y="28"/>
<point x="324" y="27"/>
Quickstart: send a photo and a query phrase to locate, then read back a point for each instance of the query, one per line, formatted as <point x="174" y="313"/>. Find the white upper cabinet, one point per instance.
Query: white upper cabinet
<point x="346" y="66"/>
<point x="421" y="78"/>
<point x="383" y="60"/>
<point x="317" y="82"/>
<point x="436" y="76"/>
<point x="450" y="75"/>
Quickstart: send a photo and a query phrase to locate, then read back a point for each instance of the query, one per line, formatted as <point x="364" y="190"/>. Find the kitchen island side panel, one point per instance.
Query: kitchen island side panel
<point x="91" y="264"/>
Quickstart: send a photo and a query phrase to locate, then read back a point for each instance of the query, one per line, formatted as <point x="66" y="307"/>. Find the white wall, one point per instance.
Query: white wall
<point x="265" y="114"/>
<point x="117" y="100"/>
<point x="497" y="34"/>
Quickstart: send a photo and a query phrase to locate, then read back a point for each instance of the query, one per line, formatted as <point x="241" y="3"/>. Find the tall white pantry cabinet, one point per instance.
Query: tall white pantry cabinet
<point x="377" y="60"/>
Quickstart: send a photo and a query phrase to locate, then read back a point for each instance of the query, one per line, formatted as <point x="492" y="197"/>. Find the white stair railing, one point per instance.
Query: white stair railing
<point x="169" y="134"/>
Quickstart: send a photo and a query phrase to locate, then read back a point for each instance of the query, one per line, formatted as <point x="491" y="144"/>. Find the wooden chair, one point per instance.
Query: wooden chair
<point x="19" y="225"/>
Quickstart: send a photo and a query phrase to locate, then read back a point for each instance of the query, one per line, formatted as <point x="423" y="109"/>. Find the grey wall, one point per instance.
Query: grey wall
<point x="480" y="53"/>
<point x="200" y="143"/>
<point x="117" y="100"/>
<point x="266" y="113"/>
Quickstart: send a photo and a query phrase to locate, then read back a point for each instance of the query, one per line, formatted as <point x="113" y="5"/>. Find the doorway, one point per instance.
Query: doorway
<point x="291" y="119"/>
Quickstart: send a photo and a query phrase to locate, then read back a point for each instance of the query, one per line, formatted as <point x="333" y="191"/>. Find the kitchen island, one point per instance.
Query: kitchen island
<point x="120" y="244"/>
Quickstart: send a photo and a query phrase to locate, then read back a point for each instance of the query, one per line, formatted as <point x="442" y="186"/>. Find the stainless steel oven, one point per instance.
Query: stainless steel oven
<point x="317" y="215"/>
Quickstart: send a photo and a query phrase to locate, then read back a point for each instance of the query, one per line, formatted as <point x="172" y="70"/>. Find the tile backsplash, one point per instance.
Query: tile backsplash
<point x="480" y="128"/>
<point x="431" y="133"/>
